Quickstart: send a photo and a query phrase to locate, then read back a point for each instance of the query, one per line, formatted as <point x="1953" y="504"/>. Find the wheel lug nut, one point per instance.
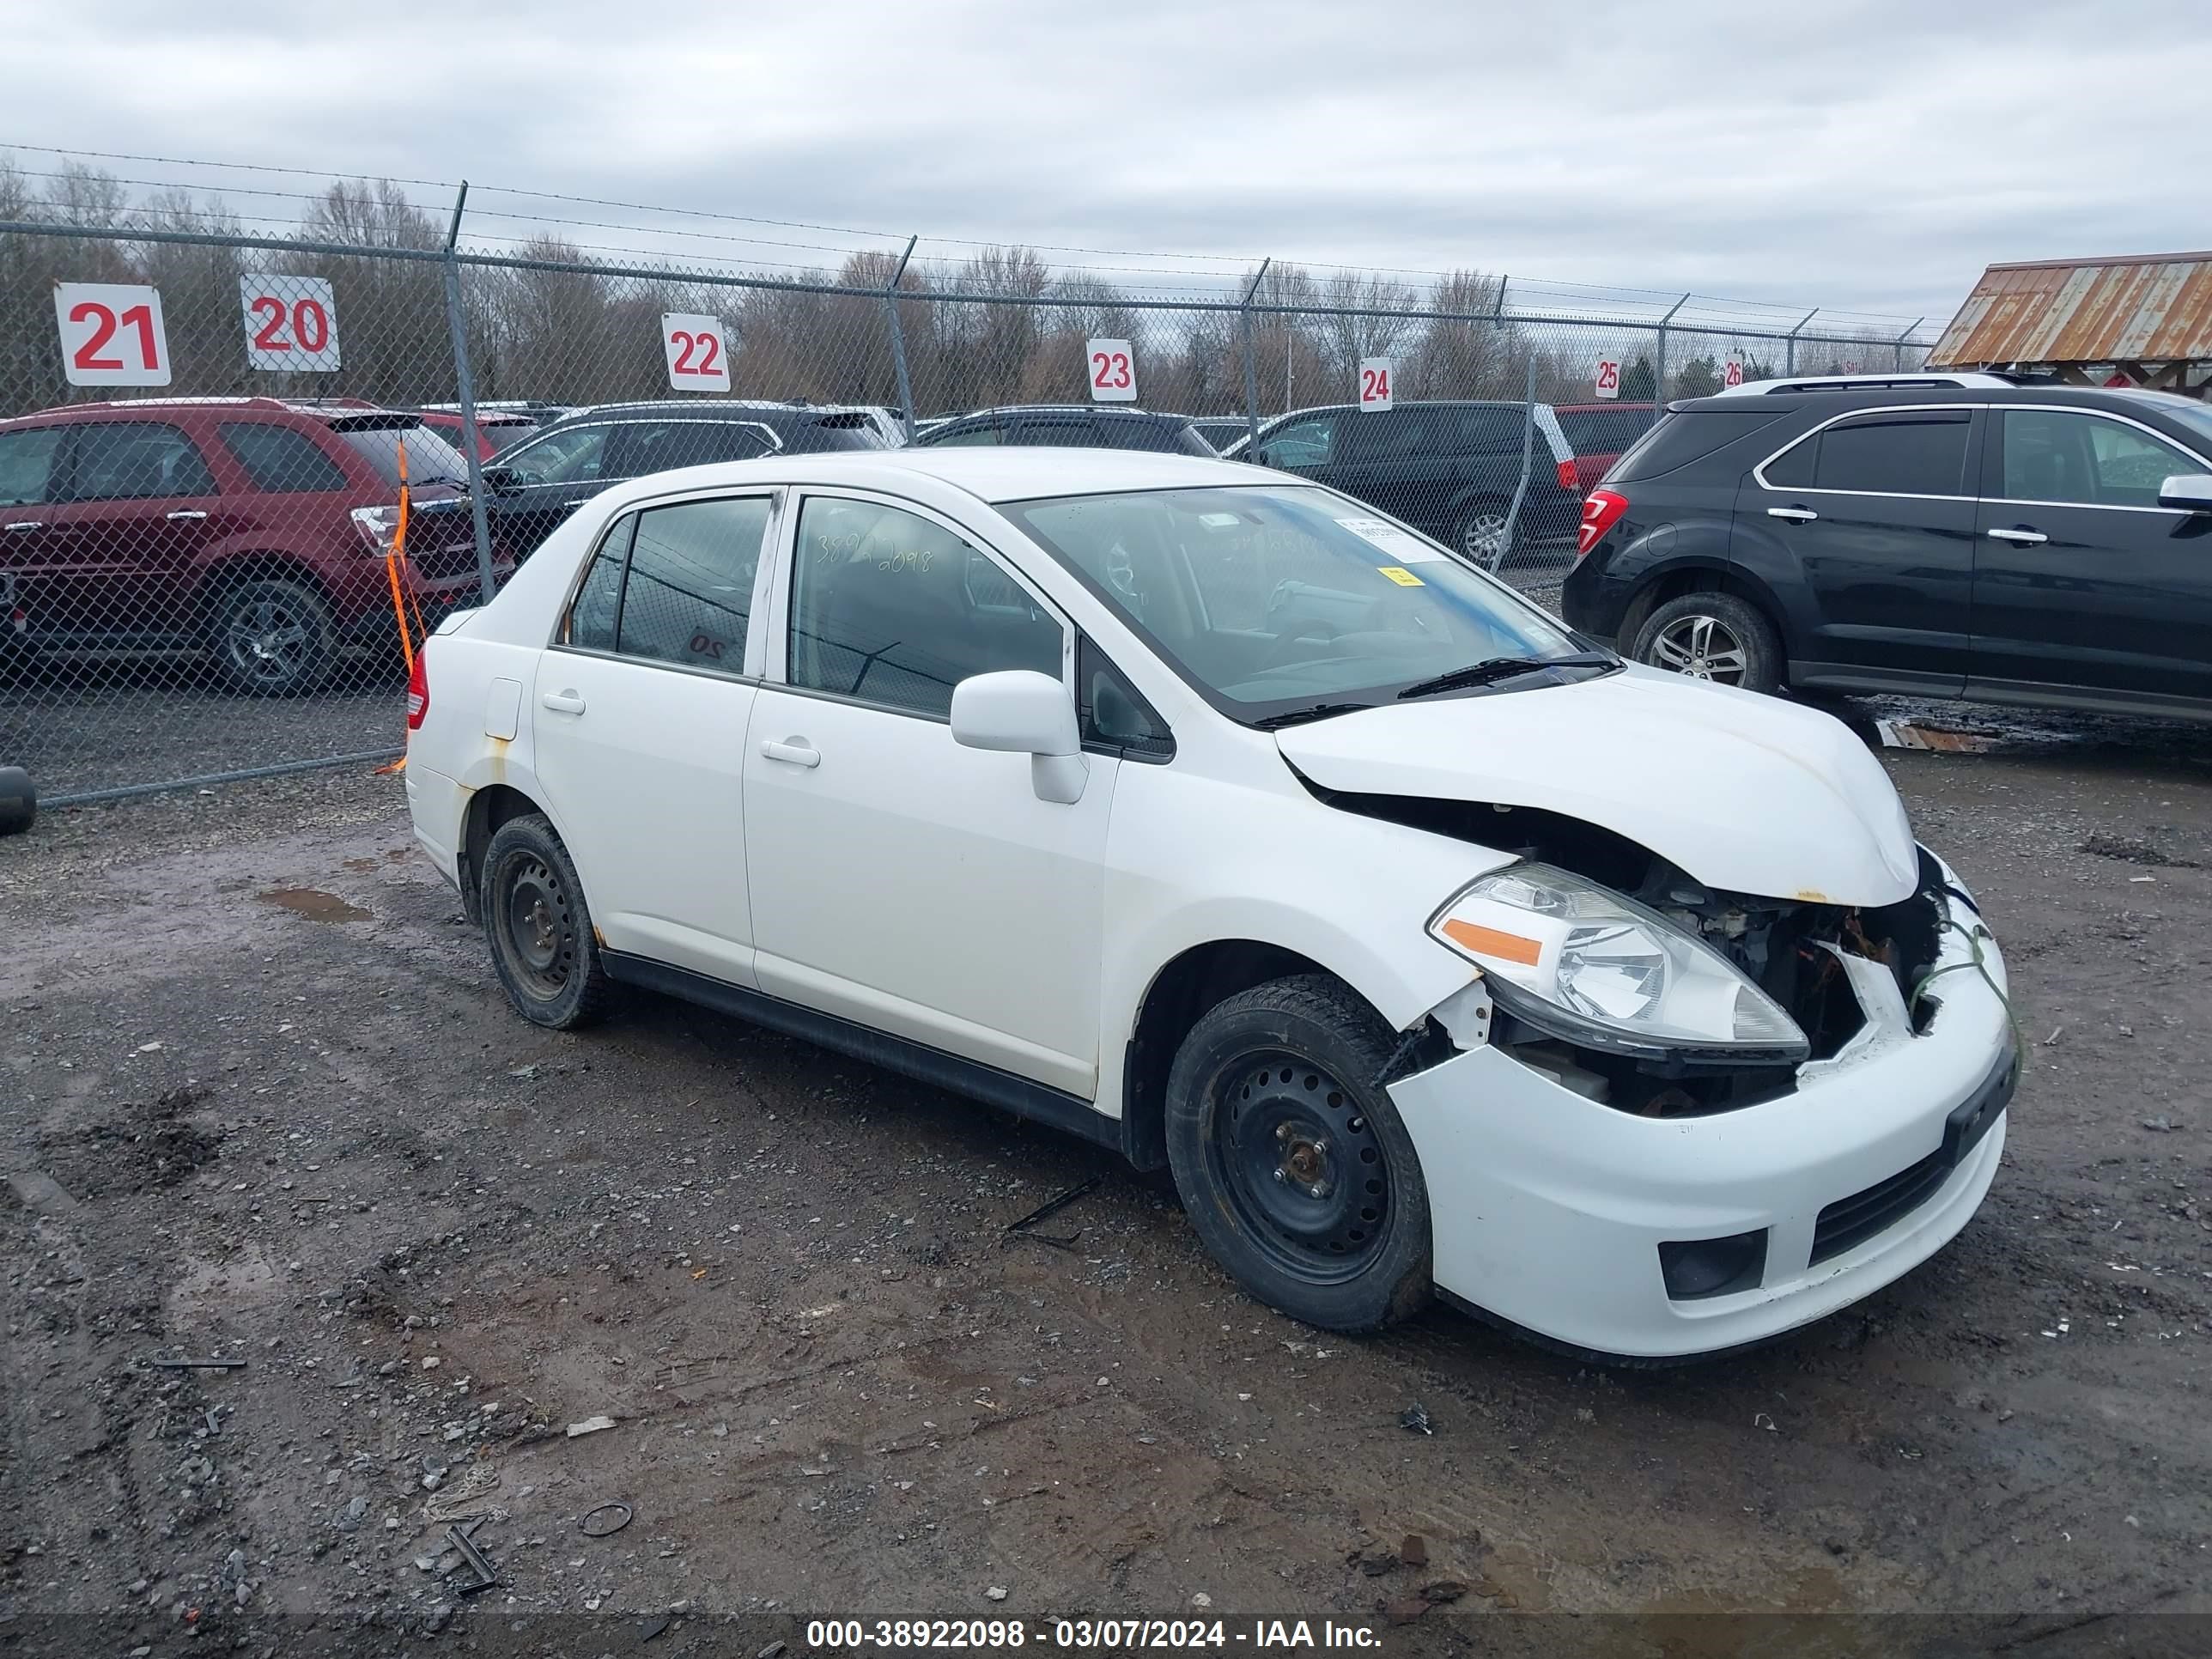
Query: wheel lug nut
<point x="1279" y="1176"/>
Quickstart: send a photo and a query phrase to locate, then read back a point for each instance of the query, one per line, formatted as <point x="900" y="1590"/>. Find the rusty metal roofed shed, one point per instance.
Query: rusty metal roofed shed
<point x="2147" y="317"/>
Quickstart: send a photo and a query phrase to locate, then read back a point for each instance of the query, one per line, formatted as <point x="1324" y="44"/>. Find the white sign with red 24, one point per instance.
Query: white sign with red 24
<point x="1111" y="369"/>
<point x="1375" y="383"/>
<point x="291" y="322"/>
<point x="698" y="357"/>
<point x="112" y="334"/>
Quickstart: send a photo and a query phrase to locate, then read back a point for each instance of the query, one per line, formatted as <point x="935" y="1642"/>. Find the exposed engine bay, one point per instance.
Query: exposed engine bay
<point x="1789" y="948"/>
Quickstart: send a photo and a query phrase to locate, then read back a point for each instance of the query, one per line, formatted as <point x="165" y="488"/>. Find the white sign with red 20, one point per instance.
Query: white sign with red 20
<point x="291" y="322"/>
<point x="112" y="334"/>
<point x="698" y="357"/>
<point x="1375" y="383"/>
<point x="1112" y="371"/>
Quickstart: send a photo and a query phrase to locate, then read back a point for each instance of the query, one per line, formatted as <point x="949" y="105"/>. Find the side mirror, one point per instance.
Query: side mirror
<point x="1019" y="711"/>
<point x="499" y="479"/>
<point x="2187" y="492"/>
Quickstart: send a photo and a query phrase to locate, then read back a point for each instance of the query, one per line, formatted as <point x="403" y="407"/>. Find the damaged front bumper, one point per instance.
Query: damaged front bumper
<point x="1669" y="1236"/>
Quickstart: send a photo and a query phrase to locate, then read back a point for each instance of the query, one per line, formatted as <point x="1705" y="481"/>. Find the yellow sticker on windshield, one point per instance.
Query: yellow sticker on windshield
<point x="1400" y="574"/>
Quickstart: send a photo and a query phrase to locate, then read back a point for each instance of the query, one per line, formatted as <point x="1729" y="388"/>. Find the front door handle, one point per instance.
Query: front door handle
<point x="796" y="751"/>
<point x="27" y="524"/>
<point x="181" y="518"/>
<point x="2022" y="537"/>
<point x="1795" y="515"/>
<point x="564" y="703"/>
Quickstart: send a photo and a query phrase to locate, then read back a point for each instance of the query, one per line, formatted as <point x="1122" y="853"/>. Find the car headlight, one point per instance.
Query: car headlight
<point x="1587" y="965"/>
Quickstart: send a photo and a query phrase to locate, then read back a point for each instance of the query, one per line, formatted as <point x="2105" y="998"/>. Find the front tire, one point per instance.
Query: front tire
<point x="1291" y="1161"/>
<point x="273" y="637"/>
<point x="535" y="920"/>
<point x="1481" y="532"/>
<point x="1712" y="636"/>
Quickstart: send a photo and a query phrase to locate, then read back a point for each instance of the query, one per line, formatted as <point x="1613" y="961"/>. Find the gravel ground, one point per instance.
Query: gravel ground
<point x="262" y="1100"/>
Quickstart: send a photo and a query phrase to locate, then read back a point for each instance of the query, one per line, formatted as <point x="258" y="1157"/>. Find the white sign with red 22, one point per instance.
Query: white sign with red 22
<point x="1375" y="383"/>
<point x="112" y="334"/>
<point x="291" y="322"/>
<point x="698" y="358"/>
<point x="1111" y="369"/>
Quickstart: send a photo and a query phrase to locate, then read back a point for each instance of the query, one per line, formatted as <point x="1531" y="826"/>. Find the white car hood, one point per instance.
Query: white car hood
<point x="1746" y="793"/>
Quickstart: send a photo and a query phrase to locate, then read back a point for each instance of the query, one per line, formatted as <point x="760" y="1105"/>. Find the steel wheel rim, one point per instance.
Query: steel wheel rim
<point x="1483" y="536"/>
<point x="267" y="640"/>
<point x="1302" y="1167"/>
<point x="1703" y="647"/>
<point x="537" y="930"/>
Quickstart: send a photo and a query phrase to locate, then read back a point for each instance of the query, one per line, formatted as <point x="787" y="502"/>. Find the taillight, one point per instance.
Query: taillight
<point x="1600" y="511"/>
<point x="1568" y="476"/>
<point x="418" y="690"/>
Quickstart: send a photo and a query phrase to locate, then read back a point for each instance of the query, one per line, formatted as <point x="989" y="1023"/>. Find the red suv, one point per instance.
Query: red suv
<point x="250" y="529"/>
<point x="1599" y="434"/>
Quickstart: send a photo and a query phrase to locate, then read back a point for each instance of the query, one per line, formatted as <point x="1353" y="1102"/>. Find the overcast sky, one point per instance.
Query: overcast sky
<point x="1870" y="155"/>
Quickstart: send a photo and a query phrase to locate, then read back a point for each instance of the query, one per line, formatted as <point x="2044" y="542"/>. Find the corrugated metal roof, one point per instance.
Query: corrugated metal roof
<point x="2152" y="307"/>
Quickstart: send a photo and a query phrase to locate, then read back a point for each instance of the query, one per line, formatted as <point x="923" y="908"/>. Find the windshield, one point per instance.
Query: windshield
<point x="1275" y="599"/>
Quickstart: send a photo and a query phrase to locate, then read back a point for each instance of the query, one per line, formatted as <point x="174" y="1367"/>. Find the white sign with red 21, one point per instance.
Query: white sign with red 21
<point x="1375" y="383"/>
<point x="291" y="322"/>
<point x="1111" y="369"/>
<point x="112" y="334"/>
<point x="698" y="359"/>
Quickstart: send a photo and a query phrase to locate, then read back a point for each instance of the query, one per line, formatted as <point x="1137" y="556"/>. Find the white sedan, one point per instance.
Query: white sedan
<point x="1219" y="820"/>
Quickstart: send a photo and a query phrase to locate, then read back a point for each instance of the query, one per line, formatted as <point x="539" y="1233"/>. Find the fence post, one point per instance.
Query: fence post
<point x="1527" y="453"/>
<point x="1898" y="351"/>
<point x="1659" y="372"/>
<point x="1252" y="365"/>
<point x="898" y="336"/>
<point x="1789" y="351"/>
<point x="457" y="326"/>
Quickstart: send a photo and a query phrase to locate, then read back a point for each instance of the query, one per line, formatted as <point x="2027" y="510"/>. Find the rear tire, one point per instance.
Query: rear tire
<point x="272" y="637"/>
<point x="19" y="801"/>
<point x="1291" y="1161"/>
<point x="1712" y="636"/>
<point x="543" y="944"/>
<point x="1481" y="530"/>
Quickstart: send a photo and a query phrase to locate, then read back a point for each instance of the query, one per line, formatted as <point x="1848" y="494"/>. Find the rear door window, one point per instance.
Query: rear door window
<point x="27" y="465"/>
<point x="135" y="461"/>
<point x="1902" y="452"/>
<point x="1487" y="431"/>
<point x="1307" y="442"/>
<point x="1400" y="435"/>
<point x="688" y="594"/>
<point x="280" y="460"/>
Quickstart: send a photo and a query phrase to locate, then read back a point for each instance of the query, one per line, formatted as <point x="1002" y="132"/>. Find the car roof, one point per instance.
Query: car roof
<point x="1117" y="413"/>
<point x="1888" y="390"/>
<point x="990" y="473"/>
<point x="1903" y="379"/>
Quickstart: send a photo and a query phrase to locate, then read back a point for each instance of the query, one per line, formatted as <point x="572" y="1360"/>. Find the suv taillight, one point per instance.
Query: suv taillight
<point x="1601" y="509"/>
<point x="1568" y="476"/>
<point x="419" y="689"/>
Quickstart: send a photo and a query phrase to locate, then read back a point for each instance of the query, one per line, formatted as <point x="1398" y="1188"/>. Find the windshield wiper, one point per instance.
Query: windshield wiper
<point x="1312" y="711"/>
<point x="1492" y="669"/>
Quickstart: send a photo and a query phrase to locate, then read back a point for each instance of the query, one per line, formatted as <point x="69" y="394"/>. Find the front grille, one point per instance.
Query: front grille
<point x="1851" y="1221"/>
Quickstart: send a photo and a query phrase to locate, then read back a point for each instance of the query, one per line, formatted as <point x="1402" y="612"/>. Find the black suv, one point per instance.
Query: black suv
<point x="1449" y="470"/>
<point x="1080" y="425"/>
<point x="1965" y="536"/>
<point x="537" y="483"/>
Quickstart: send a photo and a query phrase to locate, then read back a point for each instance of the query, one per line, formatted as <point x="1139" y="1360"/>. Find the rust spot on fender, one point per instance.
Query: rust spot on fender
<point x="598" y="938"/>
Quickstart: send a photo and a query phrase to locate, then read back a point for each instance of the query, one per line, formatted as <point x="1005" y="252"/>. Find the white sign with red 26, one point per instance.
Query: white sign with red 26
<point x="1375" y="383"/>
<point x="1111" y="369"/>
<point x="112" y="334"/>
<point x="291" y="322"/>
<point x="698" y="357"/>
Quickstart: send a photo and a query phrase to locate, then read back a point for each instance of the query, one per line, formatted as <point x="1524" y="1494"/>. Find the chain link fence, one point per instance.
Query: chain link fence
<point x="241" y="472"/>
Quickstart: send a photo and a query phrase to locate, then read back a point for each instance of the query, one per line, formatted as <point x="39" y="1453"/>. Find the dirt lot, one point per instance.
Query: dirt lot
<point x="262" y="1101"/>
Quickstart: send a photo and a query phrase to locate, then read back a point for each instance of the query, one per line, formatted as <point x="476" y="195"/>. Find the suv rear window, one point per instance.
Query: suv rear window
<point x="1686" y="436"/>
<point x="851" y="429"/>
<point x="429" y="456"/>
<point x="1603" y="431"/>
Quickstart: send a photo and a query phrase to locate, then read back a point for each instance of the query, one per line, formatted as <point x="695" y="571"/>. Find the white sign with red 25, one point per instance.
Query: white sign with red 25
<point x="112" y="334"/>
<point x="1112" y="371"/>
<point x="698" y="357"/>
<point x="1375" y="383"/>
<point x="291" y="322"/>
<point x="1608" y="377"/>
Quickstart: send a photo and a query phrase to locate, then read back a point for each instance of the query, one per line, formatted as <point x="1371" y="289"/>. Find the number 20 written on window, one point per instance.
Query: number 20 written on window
<point x="1375" y="375"/>
<point x="1111" y="369"/>
<point x="291" y="322"/>
<point x="112" y="334"/>
<point x="698" y="357"/>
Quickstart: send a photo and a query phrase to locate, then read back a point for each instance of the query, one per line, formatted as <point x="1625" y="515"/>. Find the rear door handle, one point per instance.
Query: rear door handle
<point x="27" y="524"/>
<point x="1795" y="515"/>
<point x="564" y="703"/>
<point x="2023" y="537"/>
<point x="180" y="518"/>
<point x="797" y="751"/>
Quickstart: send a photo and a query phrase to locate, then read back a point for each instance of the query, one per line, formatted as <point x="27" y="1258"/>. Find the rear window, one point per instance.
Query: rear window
<point x="1162" y="437"/>
<point x="1682" y="438"/>
<point x="844" y="431"/>
<point x="1603" y="431"/>
<point x="280" y="459"/>
<point x="430" y="459"/>
<point x="1921" y="453"/>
